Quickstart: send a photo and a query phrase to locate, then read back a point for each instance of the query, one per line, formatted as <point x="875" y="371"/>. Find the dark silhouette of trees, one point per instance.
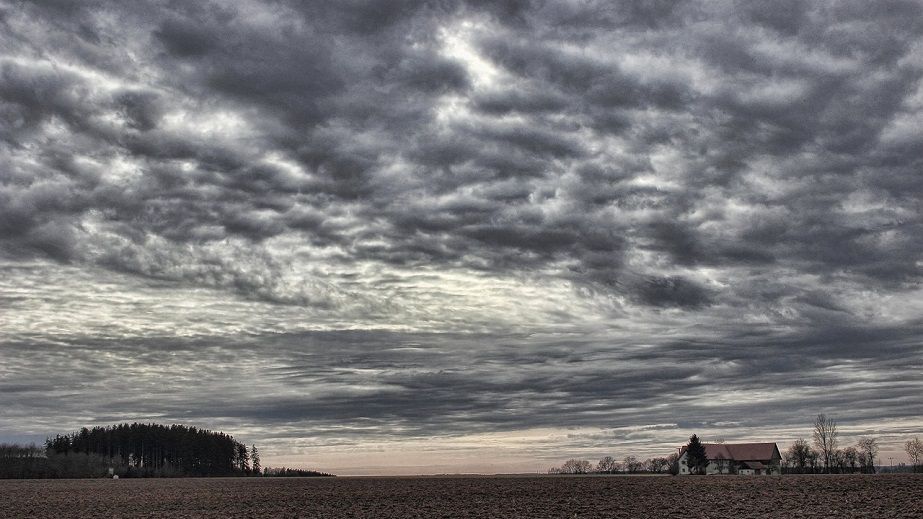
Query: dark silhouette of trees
<point x="849" y="460"/>
<point x="606" y="465"/>
<point x="657" y="465"/>
<point x="157" y="450"/>
<point x="242" y="458"/>
<point x="868" y="452"/>
<point x="255" y="461"/>
<point x="283" y="472"/>
<point x="914" y="449"/>
<point x="31" y="461"/>
<point x="632" y="465"/>
<point x="825" y="438"/>
<point x="575" y="466"/>
<point x="798" y="457"/>
<point x="629" y="465"/>
<point x="696" y="459"/>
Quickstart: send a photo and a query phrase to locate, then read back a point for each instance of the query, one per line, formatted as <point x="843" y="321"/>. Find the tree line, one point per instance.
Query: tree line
<point x="914" y="450"/>
<point x="159" y="450"/>
<point x="283" y="472"/>
<point x="628" y="465"/>
<point x="132" y="450"/>
<point x="825" y="454"/>
<point x="32" y="461"/>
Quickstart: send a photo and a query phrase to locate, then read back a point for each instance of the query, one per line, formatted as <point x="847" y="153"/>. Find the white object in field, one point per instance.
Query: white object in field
<point x="115" y="476"/>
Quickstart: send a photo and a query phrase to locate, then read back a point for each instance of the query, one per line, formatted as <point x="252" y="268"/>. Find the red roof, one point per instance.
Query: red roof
<point x="737" y="451"/>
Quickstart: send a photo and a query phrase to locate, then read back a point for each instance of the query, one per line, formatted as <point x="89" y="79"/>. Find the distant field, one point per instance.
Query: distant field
<point x="494" y="497"/>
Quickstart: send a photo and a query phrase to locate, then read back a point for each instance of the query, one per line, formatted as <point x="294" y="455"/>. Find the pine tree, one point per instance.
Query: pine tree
<point x="242" y="458"/>
<point x="696" y="458"/>
<point x="255" y="460"/>
<point x="152" y="449"/>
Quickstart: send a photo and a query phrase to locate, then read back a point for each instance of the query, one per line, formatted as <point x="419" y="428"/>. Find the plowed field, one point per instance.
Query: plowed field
<point x="494" y="497"/>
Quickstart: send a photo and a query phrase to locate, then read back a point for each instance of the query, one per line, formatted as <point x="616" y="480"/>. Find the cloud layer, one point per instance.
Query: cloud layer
<point x="418" y="219"/>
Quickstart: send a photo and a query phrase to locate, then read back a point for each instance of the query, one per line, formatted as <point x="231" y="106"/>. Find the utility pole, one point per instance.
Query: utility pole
<point x="891" y="459"/>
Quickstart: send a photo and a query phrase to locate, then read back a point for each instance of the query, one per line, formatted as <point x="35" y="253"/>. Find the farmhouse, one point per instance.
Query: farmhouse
<point x="738" y="458"/>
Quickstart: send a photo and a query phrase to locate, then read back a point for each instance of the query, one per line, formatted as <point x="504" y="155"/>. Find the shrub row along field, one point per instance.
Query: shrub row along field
<point x="549" y="496"/>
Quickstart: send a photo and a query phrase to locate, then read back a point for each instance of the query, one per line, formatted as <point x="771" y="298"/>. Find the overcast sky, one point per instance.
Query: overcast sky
<point x="433" y="236"/>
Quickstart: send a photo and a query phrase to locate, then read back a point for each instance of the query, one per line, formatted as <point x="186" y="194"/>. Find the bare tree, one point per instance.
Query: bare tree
<point x="868" y="451"/>
<point x="574" y="466"/>
<point x="606" y="465"/>
<point x="837" y="462"/>
<point x="914" y="449"/>
<point x="631" y="464"/>
<point x="656" y="465"/>
<point x="797" y="455"/>
<point x="851" y="459"/>
<point x="825" y="438"/>
<point x="813" y="460"/>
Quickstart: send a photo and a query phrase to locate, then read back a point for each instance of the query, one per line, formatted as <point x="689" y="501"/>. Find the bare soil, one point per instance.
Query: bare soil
<point x="503" y="496"/>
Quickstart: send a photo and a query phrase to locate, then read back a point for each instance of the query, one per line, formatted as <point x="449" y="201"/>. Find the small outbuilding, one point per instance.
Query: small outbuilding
<point x="737" y="458"/>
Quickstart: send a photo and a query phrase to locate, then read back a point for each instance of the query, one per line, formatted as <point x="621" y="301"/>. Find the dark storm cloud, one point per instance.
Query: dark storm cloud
<point x="344" y="100"/>
<point x="672" y="291"/>
<point x="142" y="109"/>
<point x="376" y="378"/>
<point x="733" y="166"/>
<point x="185" y="38"/>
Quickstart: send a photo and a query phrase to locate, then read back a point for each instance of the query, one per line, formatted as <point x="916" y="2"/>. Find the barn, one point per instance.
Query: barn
<point x="738" y="458"/>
